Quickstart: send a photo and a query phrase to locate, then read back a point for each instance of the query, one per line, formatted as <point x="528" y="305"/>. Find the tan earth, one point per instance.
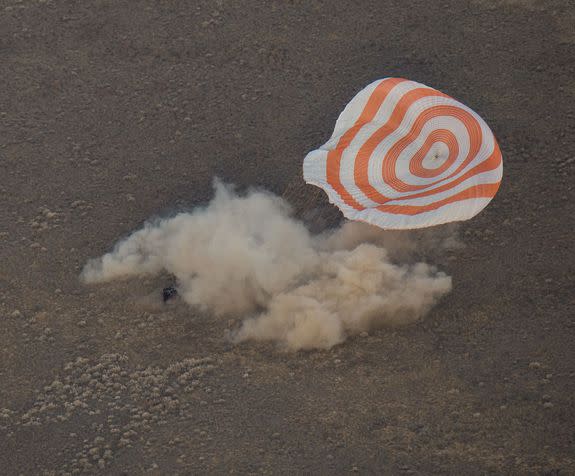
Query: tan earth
<point x="112" y="112"/>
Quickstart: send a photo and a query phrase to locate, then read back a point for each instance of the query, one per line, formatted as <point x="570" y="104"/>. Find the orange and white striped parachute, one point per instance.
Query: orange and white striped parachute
<point x="404" y="155"/>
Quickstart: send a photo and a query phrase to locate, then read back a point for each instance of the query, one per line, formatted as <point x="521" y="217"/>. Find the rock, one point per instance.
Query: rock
<point x="91" y="388"/>
<point x="123" y="442"/>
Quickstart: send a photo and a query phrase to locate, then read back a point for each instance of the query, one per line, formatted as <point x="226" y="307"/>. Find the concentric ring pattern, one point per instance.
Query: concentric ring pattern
<point x="404" y="155"/>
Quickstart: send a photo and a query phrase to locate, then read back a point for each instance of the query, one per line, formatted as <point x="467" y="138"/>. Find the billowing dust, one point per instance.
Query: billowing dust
<point x="245" y="255"/>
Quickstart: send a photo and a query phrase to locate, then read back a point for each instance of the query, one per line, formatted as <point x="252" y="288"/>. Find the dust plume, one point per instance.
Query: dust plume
<point x="246" y="255"/>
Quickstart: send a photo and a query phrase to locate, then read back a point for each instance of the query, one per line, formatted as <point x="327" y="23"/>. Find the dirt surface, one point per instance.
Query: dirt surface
<point x="115" y="111"/>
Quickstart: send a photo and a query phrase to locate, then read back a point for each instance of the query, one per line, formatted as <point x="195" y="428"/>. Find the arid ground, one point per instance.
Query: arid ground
<point x="112" y="112"/>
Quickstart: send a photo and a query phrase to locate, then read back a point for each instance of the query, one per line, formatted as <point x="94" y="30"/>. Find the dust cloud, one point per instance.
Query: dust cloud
<point x="245" y="255"/>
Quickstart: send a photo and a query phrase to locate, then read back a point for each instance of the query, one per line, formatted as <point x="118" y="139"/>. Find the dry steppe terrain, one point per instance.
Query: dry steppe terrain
<point x="112" y="112"/>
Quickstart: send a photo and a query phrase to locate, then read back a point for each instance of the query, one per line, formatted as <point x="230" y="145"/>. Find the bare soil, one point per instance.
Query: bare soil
<point x="115" y="111"/>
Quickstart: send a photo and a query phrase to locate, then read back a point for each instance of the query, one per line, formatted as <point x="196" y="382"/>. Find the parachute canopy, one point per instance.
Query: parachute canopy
<point x="404" y="155"/>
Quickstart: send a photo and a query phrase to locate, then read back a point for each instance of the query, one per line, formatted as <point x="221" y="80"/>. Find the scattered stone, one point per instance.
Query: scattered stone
<point x="123" y="442"/>
<point x="86" y="389"/>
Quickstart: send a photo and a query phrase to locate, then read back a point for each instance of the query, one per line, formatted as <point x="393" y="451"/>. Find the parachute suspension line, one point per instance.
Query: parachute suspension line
<point x="301" y="196"/>
<point x="311" y="204"/>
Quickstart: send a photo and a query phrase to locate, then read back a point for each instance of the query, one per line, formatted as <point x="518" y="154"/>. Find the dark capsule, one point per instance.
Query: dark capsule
<point x="169" y="292"/>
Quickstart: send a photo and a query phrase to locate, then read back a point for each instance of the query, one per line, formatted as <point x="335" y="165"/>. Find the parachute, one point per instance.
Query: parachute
<point x="404" y="155"/>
